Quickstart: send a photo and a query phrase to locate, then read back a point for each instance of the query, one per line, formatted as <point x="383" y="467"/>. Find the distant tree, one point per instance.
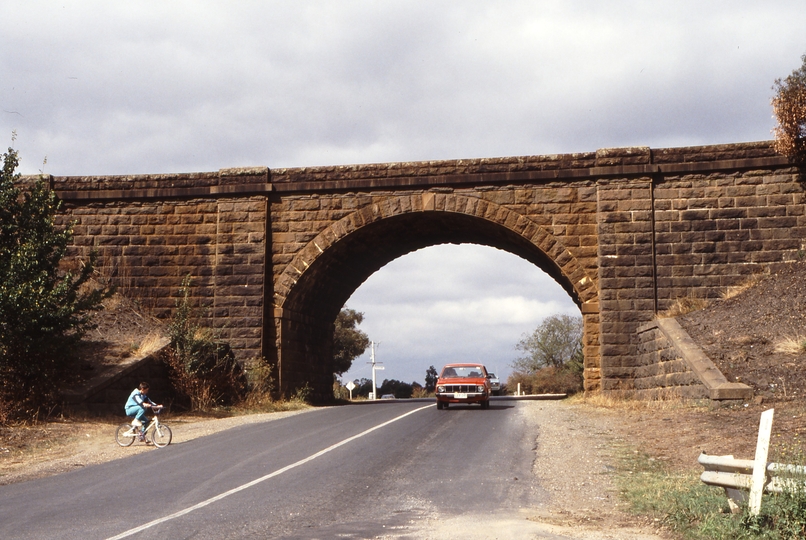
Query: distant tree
<point x="556" y="342"/>
<point x="348" y="341"/>
<point x="363" y="387"/>
<point x="431" y="377"/>
<point x="789" y="106"/>
<point x="553" y="357"/>
<point x="339" y="391"/>
<point x="44" y="310"/>
<point x="399" y="389"/>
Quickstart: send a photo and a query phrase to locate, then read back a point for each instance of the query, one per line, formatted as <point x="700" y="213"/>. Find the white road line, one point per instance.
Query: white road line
<point x="259" y="480"/>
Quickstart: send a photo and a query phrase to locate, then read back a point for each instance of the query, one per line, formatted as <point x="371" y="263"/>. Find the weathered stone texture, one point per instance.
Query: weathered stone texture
<point x="275" y="254"/>
<point x="146" y="249"/>
<point x="740" y="224"/>
<point x="660" y="371"/>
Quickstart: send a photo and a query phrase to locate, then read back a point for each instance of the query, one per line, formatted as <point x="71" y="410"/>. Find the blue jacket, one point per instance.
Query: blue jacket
<point x="136" y="399"/>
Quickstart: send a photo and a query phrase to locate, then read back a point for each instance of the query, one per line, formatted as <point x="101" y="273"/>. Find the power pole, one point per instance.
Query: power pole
<point x="375" y="367"/>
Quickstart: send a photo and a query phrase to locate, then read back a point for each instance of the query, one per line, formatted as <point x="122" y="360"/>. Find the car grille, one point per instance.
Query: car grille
<point x="461" y="388"/>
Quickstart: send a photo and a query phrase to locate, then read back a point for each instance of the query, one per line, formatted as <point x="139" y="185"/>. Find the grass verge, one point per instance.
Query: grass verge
<point x="676" y="500"/>
<point x="690" y="510"/>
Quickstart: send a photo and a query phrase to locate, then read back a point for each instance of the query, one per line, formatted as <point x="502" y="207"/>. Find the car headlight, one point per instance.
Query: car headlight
<point x="440" y="389"/>
<point x="480" y="388"/>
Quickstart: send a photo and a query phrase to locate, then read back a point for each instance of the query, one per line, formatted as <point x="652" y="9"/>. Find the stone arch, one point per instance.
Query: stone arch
<point x="322" y="276"/>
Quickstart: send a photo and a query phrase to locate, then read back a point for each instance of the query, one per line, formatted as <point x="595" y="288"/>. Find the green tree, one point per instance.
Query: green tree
<point x="431" y="377"/>
<point x="556" y="342"/>
<point x="348" y="341"/>
<point x="363" y="387"/>
<point x="399" y="389"/>
<point x="44" y="310"/>
<point x="789" y="107"/>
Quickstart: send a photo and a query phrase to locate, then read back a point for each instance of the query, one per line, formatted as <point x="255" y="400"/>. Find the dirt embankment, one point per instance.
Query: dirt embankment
<point x="753" y="336"/>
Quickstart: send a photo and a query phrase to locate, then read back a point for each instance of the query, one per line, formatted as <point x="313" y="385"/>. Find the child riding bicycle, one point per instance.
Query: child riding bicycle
<point x="137" y="405"/>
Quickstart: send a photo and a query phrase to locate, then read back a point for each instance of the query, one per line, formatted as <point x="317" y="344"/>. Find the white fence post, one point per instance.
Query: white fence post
<point x="760" y="463"/>
<point x="740" y="476"/>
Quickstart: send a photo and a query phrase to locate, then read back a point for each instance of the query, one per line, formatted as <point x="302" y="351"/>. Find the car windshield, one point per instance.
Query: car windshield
<point x="467" y="372"/>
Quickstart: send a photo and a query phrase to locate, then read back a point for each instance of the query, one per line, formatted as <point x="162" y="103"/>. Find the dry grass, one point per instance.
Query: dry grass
<point x="624" y="402"/>
<point x="736" y="290"/>
<point x="113" y="302"/>
<point x="151" y="343"/>
<point x="268" y="405"/>
<point x="684" y="305"/>
<point x="260" y="387"/>
<point x="791" y="345"/>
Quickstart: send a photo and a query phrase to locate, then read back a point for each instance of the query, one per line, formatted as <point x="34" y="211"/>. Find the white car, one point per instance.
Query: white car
<point x="495" y="384"/>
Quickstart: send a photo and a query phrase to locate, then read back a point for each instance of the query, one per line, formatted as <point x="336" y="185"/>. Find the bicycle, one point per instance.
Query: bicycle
<point x="156" y="432"/>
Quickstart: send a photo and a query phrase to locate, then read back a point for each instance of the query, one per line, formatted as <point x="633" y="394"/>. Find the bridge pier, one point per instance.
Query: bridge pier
<point x="304" y="355"/>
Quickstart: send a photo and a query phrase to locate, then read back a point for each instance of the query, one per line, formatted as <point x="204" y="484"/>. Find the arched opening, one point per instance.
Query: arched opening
<point x="320" y="283"/>
<point x="452" y="303"/>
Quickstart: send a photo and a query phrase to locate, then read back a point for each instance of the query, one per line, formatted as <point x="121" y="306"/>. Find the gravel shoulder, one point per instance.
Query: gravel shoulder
<point x="574" y="456"/>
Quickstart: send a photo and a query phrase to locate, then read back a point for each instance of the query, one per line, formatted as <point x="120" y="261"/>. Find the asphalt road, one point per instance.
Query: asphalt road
<point x="356" y="471"/>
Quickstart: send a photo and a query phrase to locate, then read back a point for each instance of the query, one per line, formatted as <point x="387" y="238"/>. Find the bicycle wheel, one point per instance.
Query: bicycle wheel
<point x="161" y="436"/>
<point x="125" y="435"/>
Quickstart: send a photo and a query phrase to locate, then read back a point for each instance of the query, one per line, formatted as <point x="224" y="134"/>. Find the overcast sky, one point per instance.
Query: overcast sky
<point x="152" y="87"/>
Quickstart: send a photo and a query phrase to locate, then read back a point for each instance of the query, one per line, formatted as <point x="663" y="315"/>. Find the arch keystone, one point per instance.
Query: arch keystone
<point x="429" y="202"/>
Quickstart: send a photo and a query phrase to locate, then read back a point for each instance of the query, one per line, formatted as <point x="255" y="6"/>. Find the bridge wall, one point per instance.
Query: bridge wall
<point x="275" y="254"/>
<point x="151" y="232"/>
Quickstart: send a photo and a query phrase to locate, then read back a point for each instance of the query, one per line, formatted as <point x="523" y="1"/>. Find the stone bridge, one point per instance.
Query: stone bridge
<point x="275" y="254"/>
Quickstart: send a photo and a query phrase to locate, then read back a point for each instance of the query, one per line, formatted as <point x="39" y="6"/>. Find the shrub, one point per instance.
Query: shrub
<point x="260" y="388"/>
<point x="302" y="394"/>
<point x="789" y="107"/>
<point x="44" y="309"/>
<point x="549" y="380"/>
<point x="203" y="369"/>
<point x="214" y="378"/>
<point x="340" y="392"/>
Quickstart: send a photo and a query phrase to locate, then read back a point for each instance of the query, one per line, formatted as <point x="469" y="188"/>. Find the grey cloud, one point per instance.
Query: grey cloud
<point x="155" y="88"/>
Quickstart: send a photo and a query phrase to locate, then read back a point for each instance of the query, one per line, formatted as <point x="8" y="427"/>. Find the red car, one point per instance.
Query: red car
<point x="463" y="383"/>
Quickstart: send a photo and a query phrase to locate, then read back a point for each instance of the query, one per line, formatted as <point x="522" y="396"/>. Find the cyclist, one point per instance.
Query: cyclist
<point x="137" y="405"/>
